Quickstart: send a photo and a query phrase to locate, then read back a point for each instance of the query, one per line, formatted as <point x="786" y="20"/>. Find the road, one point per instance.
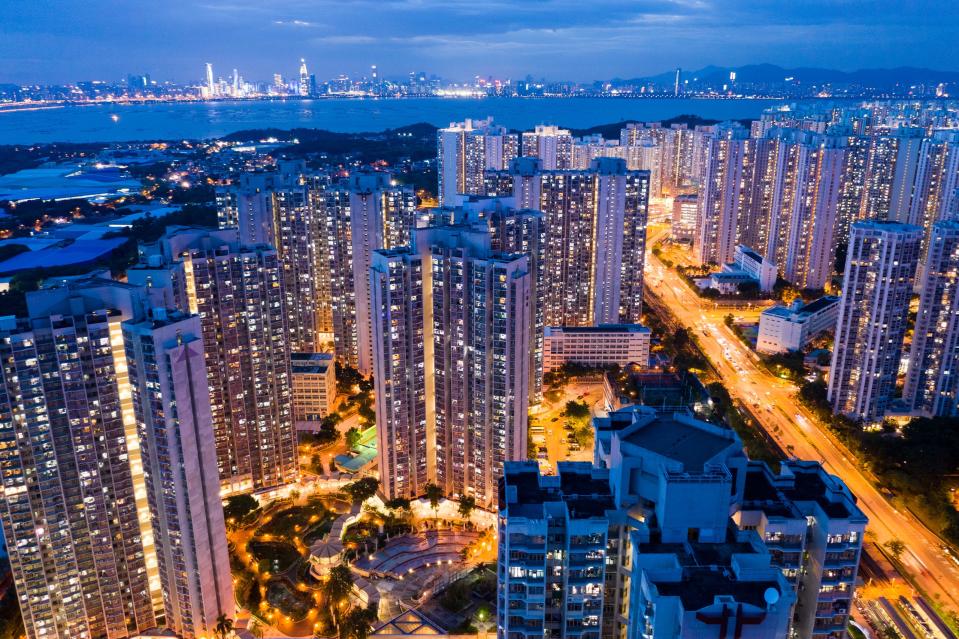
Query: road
<point x="775" y="405"/>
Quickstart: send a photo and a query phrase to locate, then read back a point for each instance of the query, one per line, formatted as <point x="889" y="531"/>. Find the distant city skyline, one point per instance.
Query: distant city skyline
<point x="62" y="41"/>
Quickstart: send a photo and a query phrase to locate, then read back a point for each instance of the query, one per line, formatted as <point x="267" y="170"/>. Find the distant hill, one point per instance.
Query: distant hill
<point x="611" y="131"/>
<point x="772" y="74"/>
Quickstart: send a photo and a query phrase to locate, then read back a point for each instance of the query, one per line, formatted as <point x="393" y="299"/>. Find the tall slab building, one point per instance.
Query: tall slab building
<point x="452" y="363"/>
<point x="877" y="286"/>
<point x="171" y="401"/>
<point x="932" y="382"/>
<point x="466" y="150"/>
<point x="73" y="509"/>
<point x="238" y="293"/>
<point x="595" y="237"/>
<point x="363" y="214"/>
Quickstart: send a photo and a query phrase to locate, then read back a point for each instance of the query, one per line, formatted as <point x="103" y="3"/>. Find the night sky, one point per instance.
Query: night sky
<point x="47" y="41"/>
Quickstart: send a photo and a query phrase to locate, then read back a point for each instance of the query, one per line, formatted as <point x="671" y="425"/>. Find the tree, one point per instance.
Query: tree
<point x="398" y="503"/>
<point x="256" y="629"/>
<point x="680" y="337"/>
<point x="223" y="628"/>
<point x="729" y="319"/>
<point x="352" y="437"/>
<point x="434" y="493"/>
<point x="338" y="585"/>
<point x="238" y="507"/>
<point x="895" y="547"/>
<point x="467" y="505"/>
<point x="362" y="489"/>
<point x="346" y="378"/>
<point x="749" y="288"/>
<point x="357" y="623"/>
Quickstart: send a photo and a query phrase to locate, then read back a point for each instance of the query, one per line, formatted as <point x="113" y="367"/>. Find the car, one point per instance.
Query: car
<point x="555" y="419"/>
<point x="542" y="455"/>
<point x="574" y="447"/>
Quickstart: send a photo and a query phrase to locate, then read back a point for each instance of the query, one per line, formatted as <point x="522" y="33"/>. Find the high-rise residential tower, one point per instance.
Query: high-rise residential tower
<point x="281" y="208"/>
<point x="551" y="144"/>
<point x="466" y="150"/>
<point x="171" y="402"/>
<point x="724" y="186"/>
<point x="452" y="363"/>
<point x="238" y="293"/>
<point x="877" y="285"/>
<point x="595" y="233"/>
<point x="75" y="518"/>
<point x="932" y="383"/>
<point x="366" y="213"/>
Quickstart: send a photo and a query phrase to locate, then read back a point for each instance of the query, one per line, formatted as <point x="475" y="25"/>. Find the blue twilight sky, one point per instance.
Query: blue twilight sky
<point x="68" y="40"/>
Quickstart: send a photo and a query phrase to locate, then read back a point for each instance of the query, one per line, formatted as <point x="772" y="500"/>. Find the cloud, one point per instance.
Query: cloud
<point x="296" y="23"/>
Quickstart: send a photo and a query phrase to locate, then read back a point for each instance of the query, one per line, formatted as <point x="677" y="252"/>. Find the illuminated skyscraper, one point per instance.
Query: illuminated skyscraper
<point x="400" y="305"/>
<point x="171" y="401"/>
<point x="466" y="150"/>
<point x="890" y="175"/>
<point x="304" y="85"/>
<point x="595" y="234"/>
<point x="210" y="85"/>
<point x="238" y="293"/>
<point x="283" y="208"/>
<point x="462" y="405"/>
<point x="877" y="285"/>
<point x="721" y="193"/>
<point x="806" y="187"/>
<point x="366" y="213"/>
<point x="932" y="384"/>
<point x="74" y="513"/>
<point x="551" y="144"/>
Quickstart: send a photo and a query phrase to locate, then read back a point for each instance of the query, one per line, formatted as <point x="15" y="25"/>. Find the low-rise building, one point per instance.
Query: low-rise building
<point x="685" y="218"/>
<point x="314" y="386"/>
<point x="602" y="345"/>
<point x="790" y="328"/>
<point x="747" y="266"/>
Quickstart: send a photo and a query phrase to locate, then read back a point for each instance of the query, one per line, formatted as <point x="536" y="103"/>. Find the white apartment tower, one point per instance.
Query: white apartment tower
<point x="466" y="150"/>
<point x="551" y="144"/>
<point x="720" y="194"/>
<point x="360" y="216"/>
<point x="595" y="234"/>
<point x="238" y="293"/>
<point x="877" y="286"/>
<point x="281" y="208"/>
<point x="171" y="401"/>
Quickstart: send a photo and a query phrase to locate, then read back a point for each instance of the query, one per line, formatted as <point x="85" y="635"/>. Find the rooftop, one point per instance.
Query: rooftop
<point x="780" y="495"/>
<point x="602" y="328"/>
<point x="79" y="252"/>
<point x="310" y="363"/>
<point x="583" y="489"/>
<point x="701" y="585"/>
<point x="679" y="441"/>
<point x="708" y="572"/>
